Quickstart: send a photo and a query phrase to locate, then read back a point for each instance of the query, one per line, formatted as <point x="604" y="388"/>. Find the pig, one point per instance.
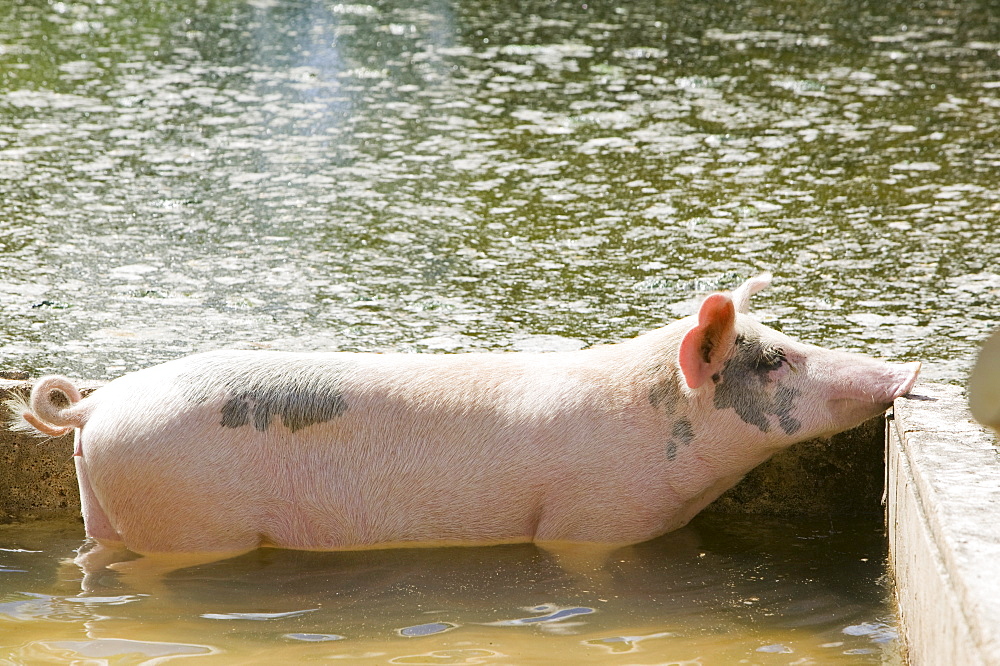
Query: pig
<point x="223" y="452"/>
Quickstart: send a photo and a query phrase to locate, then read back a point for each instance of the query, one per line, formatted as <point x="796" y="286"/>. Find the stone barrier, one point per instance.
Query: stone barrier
<point x="943" y="519"/>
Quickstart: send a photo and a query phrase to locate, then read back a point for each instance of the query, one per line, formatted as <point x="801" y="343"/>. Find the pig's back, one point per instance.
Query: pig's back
<point x="347" y="450"/>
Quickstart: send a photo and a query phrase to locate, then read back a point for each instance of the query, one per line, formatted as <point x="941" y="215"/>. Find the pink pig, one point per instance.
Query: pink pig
<point x="219" y="453"/>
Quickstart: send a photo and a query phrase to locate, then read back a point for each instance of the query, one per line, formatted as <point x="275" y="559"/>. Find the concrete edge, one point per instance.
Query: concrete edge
<point x="943" y="500"/>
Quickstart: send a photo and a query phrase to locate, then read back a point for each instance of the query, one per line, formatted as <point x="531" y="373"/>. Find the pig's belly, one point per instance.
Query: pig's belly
<point x="398" y="525"/>
<point x="171" y="521"/>
<point x="241" y="493"/>
<point x="399" y="505"/>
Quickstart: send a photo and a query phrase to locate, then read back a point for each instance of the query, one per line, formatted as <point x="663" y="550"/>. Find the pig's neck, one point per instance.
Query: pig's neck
<point x="700" y="450"/>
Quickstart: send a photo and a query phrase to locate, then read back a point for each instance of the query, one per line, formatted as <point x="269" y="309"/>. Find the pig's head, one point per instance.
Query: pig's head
<point x="773" y="389"/>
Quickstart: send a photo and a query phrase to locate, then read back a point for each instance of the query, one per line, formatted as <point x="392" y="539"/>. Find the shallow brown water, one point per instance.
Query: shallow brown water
<point x="722" y="591"/>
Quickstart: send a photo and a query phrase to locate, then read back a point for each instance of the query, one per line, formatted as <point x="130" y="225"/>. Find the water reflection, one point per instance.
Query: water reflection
<point x="257" y="616"/>
<point x="619" y="644"/>
<point x="722" y="590"/>
<point x="314" y="637"/>
<point x="115" y="648"/>
<point x="428" y="629"/>
<point x="551" y="614"/>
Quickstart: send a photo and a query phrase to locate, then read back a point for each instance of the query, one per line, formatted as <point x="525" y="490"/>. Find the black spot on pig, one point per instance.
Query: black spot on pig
<point x="298" y="406"/>
<point x="254" y="391"/>
<point x="236" y="413"/>
<point x="783" y="404"/>
<point x="682" y="434"/>
<point x="666" y="392"/>
<point x="744" y="385"/>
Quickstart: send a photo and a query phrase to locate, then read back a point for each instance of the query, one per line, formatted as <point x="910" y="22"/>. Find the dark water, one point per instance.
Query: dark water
<point x="722" y="591"/>
<point x="485" y="175"/>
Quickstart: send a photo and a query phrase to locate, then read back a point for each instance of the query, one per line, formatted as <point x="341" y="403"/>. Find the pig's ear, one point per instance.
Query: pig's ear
<point x="707" y="345"/>
<point x="741" y="297"/>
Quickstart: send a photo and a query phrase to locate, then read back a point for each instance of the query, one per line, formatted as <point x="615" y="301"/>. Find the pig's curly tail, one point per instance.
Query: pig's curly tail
<point x="51" y="410"/>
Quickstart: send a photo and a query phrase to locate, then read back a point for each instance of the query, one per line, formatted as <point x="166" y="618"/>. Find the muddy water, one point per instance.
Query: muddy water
<point x="721" y="591"/>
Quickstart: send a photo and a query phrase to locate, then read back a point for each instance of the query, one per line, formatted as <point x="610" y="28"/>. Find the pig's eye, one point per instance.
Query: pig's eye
<point x="770" y="359"/>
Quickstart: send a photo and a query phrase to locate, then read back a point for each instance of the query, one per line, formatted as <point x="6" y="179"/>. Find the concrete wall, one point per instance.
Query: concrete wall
<point x="943" y="519"/>
<point x="839" y="476"/>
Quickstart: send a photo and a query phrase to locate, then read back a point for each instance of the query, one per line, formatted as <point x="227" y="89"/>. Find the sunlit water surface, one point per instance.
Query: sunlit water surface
<point x="722" y="591"/>
<point x="450" y="176"/>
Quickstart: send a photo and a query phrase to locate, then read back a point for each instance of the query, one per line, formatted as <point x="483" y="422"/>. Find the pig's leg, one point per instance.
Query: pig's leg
<point x="145" y="574"/>
<point x="93" y="559"/>
<point x="107" y="549"/>
<point x="95" y="521"/>
<point x="586" y="563"/>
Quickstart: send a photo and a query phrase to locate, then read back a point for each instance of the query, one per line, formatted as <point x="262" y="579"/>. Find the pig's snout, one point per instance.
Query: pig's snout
<point x="889" y="382"/>
<point x="868" y="389"/>
<point x="908" y="373"/>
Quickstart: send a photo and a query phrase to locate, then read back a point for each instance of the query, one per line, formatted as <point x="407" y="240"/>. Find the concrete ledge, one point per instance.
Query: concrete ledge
<point x="943" y="518"/>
